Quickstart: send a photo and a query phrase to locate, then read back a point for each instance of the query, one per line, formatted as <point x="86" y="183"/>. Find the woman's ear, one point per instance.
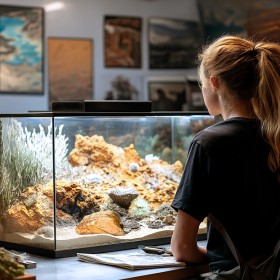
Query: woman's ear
<point x="215" y="83"/>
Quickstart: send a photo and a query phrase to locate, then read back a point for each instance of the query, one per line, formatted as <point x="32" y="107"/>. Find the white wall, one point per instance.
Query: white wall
<point x="84" y="19"/>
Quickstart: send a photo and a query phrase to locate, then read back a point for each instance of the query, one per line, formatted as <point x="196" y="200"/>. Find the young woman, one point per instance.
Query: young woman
<point x="233" y="167"/>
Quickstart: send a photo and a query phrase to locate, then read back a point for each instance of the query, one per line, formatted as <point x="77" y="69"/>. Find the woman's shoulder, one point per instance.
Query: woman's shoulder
<point x="229" y="132"/>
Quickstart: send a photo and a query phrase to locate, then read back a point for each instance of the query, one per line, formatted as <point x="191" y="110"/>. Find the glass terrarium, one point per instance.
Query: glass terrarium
<point x="91" y="182"/>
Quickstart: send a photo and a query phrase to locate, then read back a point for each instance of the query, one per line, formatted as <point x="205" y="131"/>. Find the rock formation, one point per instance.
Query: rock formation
<point x="102" y="222"/>
<point x="110" y="175"/>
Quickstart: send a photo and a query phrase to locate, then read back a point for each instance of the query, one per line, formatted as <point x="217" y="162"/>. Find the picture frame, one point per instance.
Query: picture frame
<point x="122" y="87"/>
<point x="70" y="69"/>
<point x="168" y="95"/>
<point x="253" y="19"/>
<point x="173" y="43"/>
<point x="122" y="41"/>
<point x="22" y="50"/>
<point x="262" y="20"/>
<point x="215" y="20"/>
<point x="194" y="95"/>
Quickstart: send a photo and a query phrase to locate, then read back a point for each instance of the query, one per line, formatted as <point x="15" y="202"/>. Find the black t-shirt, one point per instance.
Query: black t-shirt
<point x="227" y="174"/>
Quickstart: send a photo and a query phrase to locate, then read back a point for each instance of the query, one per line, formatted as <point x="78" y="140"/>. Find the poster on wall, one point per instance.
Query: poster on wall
<point x="194" y="95"/>
<point x="173" y="43"/>
<point x="227" y="17"/>
<point x="122" y="87"/>
<point x="21" y="50"/>
<point x="70" y="69"/>
<point x="258" y="19"/>
<point x="168" y="94"/>
<point x="122" y="41"/>
<point x="262" y="20"/>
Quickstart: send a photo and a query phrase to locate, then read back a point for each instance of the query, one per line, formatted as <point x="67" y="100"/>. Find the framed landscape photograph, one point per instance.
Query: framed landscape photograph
<point x="173" y="43"/>
<point x="22" y="50"/>
<point x="167" y="95"/>
<point x="122" y="41"/>
<point x="70" y="69"/>
<point x="194" y="96"/>
<point x="258" y="19"/>
<point x="121" y="87"/>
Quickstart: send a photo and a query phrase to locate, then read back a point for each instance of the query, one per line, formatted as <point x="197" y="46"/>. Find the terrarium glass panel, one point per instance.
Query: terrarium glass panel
<point x="107" y="180"/>
<point x="26" y="163"/>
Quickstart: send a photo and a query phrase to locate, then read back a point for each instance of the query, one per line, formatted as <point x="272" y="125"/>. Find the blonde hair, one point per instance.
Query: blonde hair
<point x="252" y="71"/>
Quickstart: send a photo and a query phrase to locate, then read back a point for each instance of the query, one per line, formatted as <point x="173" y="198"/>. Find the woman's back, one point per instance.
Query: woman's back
<point x="244" y="193"/>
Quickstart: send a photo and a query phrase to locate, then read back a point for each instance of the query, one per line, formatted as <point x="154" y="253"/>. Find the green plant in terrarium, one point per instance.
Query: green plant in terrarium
<point x="26" y="158"/>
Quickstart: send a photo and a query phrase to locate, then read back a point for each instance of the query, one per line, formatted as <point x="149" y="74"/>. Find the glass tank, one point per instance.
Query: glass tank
<point x="91" y="182"/>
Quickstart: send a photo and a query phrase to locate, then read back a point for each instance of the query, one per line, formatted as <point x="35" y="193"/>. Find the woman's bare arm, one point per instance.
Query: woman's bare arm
<point x="184" y="240"/>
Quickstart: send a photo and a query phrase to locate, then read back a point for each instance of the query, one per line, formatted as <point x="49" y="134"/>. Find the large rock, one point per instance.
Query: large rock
<point x="155" y="180"/>
<point x="94" y="150"/>
<point x="101" y="222"/>
<point x="35" y="209"/>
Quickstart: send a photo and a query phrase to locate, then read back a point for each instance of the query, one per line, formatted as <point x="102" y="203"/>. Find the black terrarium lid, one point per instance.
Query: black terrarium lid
<point x="102" y="106"/>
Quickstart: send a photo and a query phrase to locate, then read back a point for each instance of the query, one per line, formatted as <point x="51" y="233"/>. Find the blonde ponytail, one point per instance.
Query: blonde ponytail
<point x="266" y="101"/>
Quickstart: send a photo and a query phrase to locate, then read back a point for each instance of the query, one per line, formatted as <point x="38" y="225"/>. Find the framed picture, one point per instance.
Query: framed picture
<point x="173" y="44"/>
<point x="216" y="21"/>
<point x="122" y="41"/>
<point x="70" y="69"/>
<point x="22" y="49"/>
<point x="122" y="87"/>
<point x="257" y="19"/>
<point x="194" y="96"/>
<point x="168" y="95"/>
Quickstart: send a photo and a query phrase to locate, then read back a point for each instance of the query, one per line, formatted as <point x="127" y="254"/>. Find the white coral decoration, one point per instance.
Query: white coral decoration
<point x="40" y="144"/>
<point x="150" y="158"/>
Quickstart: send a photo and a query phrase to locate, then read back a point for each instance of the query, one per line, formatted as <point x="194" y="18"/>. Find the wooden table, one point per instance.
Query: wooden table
<point x="26" y="277"/>
<point x="73" y="269"/>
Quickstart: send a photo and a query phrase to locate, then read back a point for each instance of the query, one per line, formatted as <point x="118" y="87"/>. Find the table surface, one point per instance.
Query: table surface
<point x="71" y="268"/>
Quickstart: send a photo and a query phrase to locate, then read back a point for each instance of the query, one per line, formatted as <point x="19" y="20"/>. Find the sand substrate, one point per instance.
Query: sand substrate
<point x="67" y="238"/>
